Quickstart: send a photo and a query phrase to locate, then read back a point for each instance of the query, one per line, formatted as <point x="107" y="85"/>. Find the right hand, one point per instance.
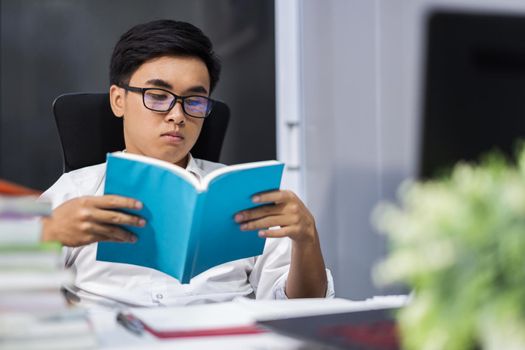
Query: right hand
<point x="90" y="219"/>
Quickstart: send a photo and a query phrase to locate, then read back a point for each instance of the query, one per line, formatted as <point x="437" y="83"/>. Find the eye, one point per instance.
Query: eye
<point x="157" y="96"/>
<point x="196" y="101"/>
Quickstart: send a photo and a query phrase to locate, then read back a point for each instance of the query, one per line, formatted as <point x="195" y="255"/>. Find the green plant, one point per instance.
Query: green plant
<point x="459" y="243"/>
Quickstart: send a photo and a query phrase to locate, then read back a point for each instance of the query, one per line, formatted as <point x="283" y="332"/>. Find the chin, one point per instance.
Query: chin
<point x="175" y="159"/>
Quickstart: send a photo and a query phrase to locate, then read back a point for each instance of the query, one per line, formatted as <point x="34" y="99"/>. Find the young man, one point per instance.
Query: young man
<point x="161" y="75"/>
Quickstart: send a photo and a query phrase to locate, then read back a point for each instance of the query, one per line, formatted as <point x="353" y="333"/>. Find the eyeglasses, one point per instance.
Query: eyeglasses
<point x="160" y="100"/>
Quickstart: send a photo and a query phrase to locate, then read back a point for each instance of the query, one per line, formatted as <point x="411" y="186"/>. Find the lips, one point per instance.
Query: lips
<point x="173" y="136"/>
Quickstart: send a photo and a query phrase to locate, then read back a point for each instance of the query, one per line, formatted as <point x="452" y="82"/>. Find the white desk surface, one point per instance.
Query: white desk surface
<point x="112" y="336"/>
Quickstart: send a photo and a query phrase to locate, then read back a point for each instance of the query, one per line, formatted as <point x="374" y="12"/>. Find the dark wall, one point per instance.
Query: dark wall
<point x="49" y="47"/>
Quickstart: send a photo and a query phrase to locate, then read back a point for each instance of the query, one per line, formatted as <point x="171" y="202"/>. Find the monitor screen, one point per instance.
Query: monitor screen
<point x="474" y="97"/>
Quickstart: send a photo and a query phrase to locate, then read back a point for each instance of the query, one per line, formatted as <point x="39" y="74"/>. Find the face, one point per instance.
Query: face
<point x="169" y="135"/>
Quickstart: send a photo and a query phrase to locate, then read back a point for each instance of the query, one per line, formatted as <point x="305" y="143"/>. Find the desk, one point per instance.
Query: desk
<point x="112" y="336"/>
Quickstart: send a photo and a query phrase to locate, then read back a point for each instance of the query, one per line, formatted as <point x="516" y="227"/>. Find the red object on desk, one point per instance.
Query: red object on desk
<point x="11" y="189"/>
<point x="137" y="326"/>
<point x="206" y="332"/>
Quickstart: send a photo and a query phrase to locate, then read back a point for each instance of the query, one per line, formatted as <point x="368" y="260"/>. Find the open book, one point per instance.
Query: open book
<point x="190" y="225"/>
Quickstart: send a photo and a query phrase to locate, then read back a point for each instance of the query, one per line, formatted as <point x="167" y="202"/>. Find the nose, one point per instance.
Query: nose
<point x="176" y="114"/>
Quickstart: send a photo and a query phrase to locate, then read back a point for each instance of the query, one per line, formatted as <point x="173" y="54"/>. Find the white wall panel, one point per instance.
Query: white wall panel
<point x="360" y="82"/>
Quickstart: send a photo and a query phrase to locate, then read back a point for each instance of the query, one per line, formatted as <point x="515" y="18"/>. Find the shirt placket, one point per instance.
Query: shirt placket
<point x="159" y="293"/>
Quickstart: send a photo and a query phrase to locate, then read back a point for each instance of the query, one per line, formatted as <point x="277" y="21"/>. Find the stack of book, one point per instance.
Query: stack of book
<point x="33" y="311"/>
<point x="19" y="213"/>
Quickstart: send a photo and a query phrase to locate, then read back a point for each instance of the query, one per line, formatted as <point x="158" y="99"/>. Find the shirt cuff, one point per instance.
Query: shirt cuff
<point x="279" y="288"/>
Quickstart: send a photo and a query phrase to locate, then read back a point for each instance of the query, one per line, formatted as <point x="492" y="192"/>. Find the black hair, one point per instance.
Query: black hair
<point x="158" y="38"/>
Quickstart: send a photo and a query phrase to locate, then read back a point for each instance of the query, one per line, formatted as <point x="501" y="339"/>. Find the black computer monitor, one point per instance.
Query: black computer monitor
<point x="474" y="97"/>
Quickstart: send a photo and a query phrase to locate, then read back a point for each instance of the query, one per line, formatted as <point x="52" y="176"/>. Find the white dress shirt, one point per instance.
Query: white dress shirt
<point x="262" y="277"/>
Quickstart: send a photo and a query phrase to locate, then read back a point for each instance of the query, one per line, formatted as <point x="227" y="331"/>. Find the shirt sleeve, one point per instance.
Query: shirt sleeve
<point x="270" y="272"/>
<point x="61" y="191"/>
<point x="87" y="181"/>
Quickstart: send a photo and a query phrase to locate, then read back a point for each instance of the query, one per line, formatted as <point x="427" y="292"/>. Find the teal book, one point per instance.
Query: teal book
<point x="190" y="224"/>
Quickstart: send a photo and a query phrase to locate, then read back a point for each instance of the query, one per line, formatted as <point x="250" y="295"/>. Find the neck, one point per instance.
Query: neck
<point x="183" y="163"/>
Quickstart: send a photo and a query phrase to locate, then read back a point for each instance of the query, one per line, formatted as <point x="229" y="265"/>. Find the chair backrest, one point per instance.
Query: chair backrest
<point x="88" y="130"/>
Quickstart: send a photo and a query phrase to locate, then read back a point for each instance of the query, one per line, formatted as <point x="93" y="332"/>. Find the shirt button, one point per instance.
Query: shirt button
<point x="159" y="296"/>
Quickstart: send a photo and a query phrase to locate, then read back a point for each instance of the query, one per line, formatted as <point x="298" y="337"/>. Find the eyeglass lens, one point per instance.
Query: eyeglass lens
<point x="162" y="101"/>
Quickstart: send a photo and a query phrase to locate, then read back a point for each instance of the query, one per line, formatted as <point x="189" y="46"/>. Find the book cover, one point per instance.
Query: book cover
<point x="190" y="225"/>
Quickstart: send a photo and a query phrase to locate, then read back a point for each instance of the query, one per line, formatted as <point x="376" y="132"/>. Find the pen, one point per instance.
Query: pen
<point x="131" y="323"/>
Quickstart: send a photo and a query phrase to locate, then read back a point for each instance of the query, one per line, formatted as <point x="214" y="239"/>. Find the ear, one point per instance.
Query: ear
<point x="117" y="99"/>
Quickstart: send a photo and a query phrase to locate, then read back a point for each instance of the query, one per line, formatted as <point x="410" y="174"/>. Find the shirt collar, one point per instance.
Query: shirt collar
<point x="194" y="168"/>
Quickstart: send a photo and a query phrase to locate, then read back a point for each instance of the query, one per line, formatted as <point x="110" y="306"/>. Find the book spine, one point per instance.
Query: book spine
<point x="194" y="239"/>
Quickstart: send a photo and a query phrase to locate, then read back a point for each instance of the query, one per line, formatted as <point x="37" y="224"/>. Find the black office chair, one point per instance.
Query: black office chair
<point x="88" y="130"/>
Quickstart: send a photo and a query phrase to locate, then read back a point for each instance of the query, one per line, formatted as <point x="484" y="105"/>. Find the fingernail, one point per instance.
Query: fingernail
<point x="261" y="233"/>
<point x="239" y="217"/>
<point x="138" y="205"/>
<point x="132" y="239"/>
<point x="244" y="226"/>
<point x="256" y="199"/>
<point x="142" y="222"/>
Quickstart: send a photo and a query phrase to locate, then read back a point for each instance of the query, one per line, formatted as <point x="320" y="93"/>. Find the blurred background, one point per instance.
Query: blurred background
<point x="52" y="47"/>
<point x="356" y="96"/>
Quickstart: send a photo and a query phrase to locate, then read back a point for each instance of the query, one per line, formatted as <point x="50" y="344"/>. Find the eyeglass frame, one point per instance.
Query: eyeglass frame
<point x="176" y="98"/>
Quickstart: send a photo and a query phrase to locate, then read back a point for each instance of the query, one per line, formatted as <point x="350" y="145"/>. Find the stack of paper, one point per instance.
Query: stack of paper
<point x="33" y="311"/>
<point x="68" y="329"/>
<point x="19" y="213"/>
<point x="29" y="270"/>
<point x="31" y="278"/>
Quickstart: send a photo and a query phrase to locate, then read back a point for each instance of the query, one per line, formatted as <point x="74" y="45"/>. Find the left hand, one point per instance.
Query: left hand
<point x="288" y="212"/>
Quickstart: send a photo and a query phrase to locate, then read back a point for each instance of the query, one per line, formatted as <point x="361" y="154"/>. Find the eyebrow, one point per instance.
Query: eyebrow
<point x="164" y="84"/>
<point x="159" y="83"/>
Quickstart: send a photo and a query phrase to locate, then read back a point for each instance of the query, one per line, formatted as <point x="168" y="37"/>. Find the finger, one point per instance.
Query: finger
<point x="114" y="202"/>
<point x="264" y="223"/>
<point x="108" y="233"/>
<point x="117" y="218"/>
<point x="259" y="212"/>
<point x="276" y="233"/>
<point x="273" y="196"/>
